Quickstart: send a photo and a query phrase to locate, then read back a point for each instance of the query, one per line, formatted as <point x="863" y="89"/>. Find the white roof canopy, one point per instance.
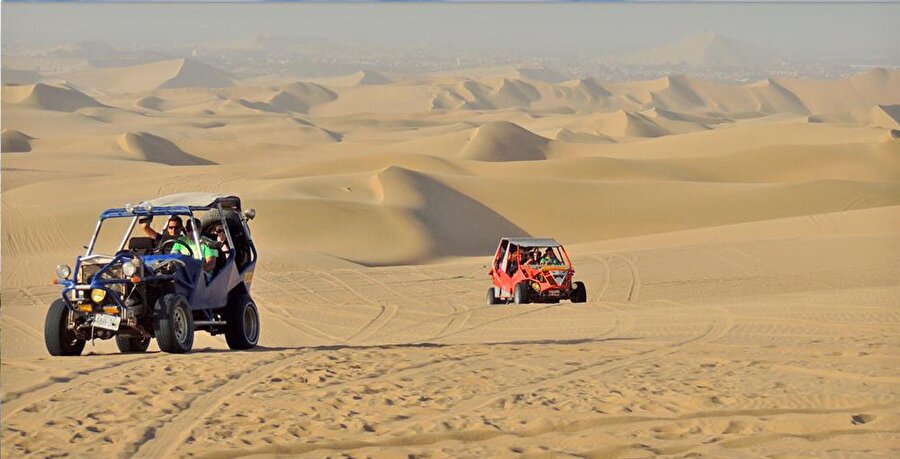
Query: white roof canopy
<point x="196" y="200"/>
<point x="533" y="242"/>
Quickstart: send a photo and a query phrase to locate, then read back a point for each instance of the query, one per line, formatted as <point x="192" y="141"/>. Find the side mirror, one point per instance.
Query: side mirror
<point x="250" y="214"/>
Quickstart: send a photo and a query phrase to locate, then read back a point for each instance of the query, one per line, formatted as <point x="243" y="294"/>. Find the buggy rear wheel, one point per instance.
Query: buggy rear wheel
<point x="58" y="337"/>
<point x="242" y="323"/>
<point x="174" y="325"/>
<point x="520" y="295"/>
<point x="127" y="344"/>
<point x="579" y="293"/>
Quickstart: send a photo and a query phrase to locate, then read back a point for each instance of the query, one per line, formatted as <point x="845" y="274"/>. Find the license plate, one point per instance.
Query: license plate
<point x="107" y="321"/>
<point x="553" y="293"/>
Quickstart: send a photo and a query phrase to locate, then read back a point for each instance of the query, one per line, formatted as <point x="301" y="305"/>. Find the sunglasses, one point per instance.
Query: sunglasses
<point x="174" y="227"/>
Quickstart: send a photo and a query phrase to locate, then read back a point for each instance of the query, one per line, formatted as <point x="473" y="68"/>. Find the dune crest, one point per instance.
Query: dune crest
<point x="144" y="146"/>
<point x="504" y="141"/>
<point x="568" y="135"/>
<point x="621" y="123"/>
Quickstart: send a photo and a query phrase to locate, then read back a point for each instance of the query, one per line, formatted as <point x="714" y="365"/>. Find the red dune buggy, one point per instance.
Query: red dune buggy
<point x="533" y="270"/>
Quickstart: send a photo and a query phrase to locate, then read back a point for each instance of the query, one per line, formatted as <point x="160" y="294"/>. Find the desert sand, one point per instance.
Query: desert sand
<point x="740" y="245"/>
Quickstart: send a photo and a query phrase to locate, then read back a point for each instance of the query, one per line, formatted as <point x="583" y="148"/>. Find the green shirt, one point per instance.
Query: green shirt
<point x="183" y="243"/>
<point x="550" y="261"/>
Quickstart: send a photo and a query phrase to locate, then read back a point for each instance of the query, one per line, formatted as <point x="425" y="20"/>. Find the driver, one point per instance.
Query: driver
<point x="209" y="254"/>
<point x="173" y="230"/>
<point x="549" y="257"/>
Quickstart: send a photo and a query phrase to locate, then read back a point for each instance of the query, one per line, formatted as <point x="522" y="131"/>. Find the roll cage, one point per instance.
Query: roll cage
<point x="511" y="250"/>
<point x="202" y="294"/>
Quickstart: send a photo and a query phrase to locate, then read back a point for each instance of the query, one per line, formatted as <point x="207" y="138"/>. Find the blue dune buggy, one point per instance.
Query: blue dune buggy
<point x="138" y="290"/>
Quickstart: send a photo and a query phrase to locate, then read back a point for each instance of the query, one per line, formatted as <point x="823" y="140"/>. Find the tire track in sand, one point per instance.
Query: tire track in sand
<point x="305" y="326"/>
<point x="15" y="402"/>
<point x="386" y="313"/>
<point x="162" y="441"/>
<point x="716" y="330"/>
<point x="599" y="294"/>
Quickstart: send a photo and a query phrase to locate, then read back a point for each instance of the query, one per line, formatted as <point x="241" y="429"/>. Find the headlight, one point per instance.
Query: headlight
<point x="63" y="271"/>
<point x="97" y="295"/>
<point x="131" y="267"/>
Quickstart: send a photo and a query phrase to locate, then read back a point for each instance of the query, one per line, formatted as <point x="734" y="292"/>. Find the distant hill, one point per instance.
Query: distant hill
<point x="704" y="50"/>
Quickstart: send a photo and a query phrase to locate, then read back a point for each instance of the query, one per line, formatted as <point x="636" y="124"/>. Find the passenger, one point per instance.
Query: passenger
<point x="549" y="257"/>
<point x="218" y="233"/>
<point x="513" y="263"/>
<point x="534" y="257"/>
<point x="208" y="253"/>
<point x="173" y="230"/>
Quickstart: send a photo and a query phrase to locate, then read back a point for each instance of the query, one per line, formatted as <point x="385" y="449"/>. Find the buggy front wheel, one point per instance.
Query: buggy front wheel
<point x="58" y="337"/>
<point x="492" y="298"/>
<point x="520" y="295"/>
<point x="174" y="325"/>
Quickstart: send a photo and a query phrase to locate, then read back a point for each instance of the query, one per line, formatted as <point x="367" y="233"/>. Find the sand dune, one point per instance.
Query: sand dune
<point x="502" y="141"/>
<point x="299" y="97"/>
<point x="175" y="73"/>
<point x="678" y="93"/>
<point x="194" y="74"/>
<point x="150" y="103"/>
<point x="455" y="223"/>
<point x="538" y="73"/>
<point x="883" y="116"/>
<point x="620" y="124"/>
<point x="143" y="146"/>
<point x="880" y="86"/>
<point x="587" y="90"/>
<point x="568" y="135"/>
<point x="486" y="95"/>
<point x="358" y="78"/>
<point x="46" y="97"/>
<point x="15" y="142"/>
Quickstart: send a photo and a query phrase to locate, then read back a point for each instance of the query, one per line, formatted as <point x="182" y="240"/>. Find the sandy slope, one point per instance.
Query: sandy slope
<point x="782" y="346"/>
<point x="740" y="245"/>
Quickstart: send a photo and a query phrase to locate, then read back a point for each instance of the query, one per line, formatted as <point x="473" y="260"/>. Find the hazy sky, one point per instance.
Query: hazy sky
<point x="814" y="30"/>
